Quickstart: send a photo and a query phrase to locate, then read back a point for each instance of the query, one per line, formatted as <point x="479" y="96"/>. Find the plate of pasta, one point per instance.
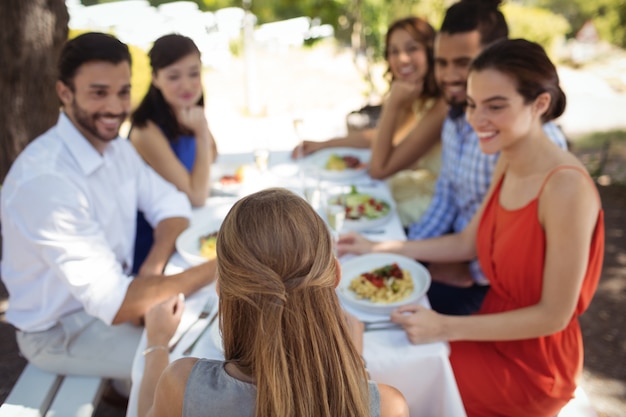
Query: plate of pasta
<point x="197" y="243"/>
<point x="380" y="282"/>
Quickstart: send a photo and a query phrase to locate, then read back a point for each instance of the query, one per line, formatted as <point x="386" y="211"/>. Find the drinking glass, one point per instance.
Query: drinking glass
<point x="313" y="195"/>
<point x="261" y="159"/>
<point x="298" y="123"/>
<point x="336" y="215"/>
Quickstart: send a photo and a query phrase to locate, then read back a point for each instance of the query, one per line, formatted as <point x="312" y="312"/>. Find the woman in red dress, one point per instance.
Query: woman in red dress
<point x="539" y="236"/>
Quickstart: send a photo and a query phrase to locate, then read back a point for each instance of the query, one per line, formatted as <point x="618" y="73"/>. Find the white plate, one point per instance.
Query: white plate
<point x="318" y="160"/>
<point x="218" y="171"/>
<point x="188" y="242"/>
<point x="363" y="223"/>
<point x="354" y="267"/>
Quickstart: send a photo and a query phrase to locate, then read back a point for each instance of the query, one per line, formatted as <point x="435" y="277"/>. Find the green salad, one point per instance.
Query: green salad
<point x="361" y="206"/>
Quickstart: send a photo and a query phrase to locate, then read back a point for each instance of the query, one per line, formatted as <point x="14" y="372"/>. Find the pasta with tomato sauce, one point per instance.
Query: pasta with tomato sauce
<point x="383" y="285"/>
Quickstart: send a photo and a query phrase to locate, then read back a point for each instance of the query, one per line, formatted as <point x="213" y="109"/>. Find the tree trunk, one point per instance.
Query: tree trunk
<point x="32" y="33"/>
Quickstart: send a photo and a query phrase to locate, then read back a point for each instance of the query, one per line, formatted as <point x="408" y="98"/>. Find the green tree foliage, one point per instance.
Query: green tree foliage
<point x="375" y="15"/>
<point x="609" y="16"/>
<point x="535" y="24"/>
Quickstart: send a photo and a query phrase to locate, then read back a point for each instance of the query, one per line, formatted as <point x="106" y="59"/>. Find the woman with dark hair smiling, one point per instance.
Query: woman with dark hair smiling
<point x="170" y="130"/>
<point x="539" y="237"/>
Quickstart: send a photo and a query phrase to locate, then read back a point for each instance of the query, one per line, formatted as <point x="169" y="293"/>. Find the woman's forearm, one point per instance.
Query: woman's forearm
<point x="524" y="323"/>
<point x="449" y="248"/>
<point x="200" y="173"/>
<point x="382" y="145"/>
<point x="389" y="157"/>
<point x="155" y="363"/>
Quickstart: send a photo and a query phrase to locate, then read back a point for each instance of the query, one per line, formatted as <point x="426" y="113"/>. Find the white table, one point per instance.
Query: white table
<point x="421" y="372"/>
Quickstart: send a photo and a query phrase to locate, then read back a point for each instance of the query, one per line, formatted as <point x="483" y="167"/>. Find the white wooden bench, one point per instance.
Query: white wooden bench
<point x="42" y="394"/>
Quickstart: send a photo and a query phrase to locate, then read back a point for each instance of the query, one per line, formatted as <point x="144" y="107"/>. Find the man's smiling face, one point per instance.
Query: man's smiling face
<point x="453" y="55"/>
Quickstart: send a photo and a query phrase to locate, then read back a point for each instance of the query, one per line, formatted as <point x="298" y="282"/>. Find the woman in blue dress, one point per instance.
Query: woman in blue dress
<point x="170" y="129"/>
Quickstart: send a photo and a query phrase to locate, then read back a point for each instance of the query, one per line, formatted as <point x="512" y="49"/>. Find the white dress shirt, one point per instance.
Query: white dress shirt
<point x="68" y="225"/>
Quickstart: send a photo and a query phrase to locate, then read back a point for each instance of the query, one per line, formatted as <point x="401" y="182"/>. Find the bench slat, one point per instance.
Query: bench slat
<point x="32" y="393"/>
<point x="77" y="397"/>
<point x="39" y="393"/>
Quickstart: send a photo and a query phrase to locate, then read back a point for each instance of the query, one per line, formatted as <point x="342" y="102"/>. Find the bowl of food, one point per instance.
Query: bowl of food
<point x="380" y="282"/>
<point x="197" y="244"/>
<point x="362" y="210"/>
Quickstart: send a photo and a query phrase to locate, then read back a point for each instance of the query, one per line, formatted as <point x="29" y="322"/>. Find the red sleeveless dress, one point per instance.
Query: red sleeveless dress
<point x="531" y="377"/>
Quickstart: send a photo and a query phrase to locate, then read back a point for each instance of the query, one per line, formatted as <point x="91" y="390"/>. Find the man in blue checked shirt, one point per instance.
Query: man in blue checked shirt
<point x="465" y="171"/>
<point x="465" y="175"/>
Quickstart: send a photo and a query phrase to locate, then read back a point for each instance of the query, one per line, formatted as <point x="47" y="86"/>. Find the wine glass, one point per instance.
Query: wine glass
<point x="313" y="191"/>
<point x="261" y="159"/>
<point x="336" y="215"/>
<point x="298" y="123"/>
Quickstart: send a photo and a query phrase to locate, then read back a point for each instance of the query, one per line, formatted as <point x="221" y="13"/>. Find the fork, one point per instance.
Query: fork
<point x="206" y="310"/>
<point x="190" y="348"/>
<point x="370" y="326"/>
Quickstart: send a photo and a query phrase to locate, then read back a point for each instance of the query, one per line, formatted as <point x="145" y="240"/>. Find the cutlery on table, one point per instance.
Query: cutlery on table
<point x="373" y="232"/>
<point x="206" y="310"/>
<point x="189" y="349"/>
<point x="370" y="326"/>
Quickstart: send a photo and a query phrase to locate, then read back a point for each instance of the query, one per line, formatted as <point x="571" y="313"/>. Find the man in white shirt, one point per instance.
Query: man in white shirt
<point x="68" y="208"/>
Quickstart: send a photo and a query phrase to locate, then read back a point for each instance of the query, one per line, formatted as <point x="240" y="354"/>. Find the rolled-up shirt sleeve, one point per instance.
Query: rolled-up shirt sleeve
<point x="159" y="199"/>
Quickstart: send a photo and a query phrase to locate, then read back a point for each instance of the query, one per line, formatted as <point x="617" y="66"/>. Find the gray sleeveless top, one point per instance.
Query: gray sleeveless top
<point x="210" y="391"/>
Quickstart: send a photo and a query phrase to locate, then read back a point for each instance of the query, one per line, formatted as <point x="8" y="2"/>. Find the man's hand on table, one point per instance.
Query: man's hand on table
<point x="307" y="147"/>
<point x="421" y="324"/>
<point x="353" y="243"/>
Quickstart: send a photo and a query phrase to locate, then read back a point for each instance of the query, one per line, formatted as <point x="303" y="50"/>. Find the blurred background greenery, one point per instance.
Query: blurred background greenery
<point x="538" y="20"/>
<point x="362" y="24"/>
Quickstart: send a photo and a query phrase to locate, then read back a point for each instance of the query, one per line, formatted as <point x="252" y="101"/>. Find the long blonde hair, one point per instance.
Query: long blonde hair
<point x="280" y="317"/>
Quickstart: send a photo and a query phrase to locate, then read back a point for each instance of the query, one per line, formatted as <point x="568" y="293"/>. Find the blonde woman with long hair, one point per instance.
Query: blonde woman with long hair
<point x="289" y="348"/>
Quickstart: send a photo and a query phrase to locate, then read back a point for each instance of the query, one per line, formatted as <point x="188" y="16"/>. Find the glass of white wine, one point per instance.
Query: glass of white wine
<point x="261" y="159"/>
<point x="298" y="123"/>
<point x="335" y="215"/>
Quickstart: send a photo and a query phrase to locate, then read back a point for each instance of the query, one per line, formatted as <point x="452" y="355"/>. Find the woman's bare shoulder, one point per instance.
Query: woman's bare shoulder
<point x="392" y="402"/>
<point x="170" y="391"/>
<point x="180" y="368"/>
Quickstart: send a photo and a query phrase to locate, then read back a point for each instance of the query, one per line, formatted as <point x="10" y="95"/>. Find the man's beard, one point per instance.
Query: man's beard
<point x="87" y="122"/>
<point x="457" y="106"/>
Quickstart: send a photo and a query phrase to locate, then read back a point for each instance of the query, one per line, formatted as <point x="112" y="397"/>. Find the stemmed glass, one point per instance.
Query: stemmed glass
<point x="298" y="123"/>
<point x="335" y="215"/>
<point x="312" y="188"/>
<point x="297" y="128"/>
<point x="261" y="156"/>
<point x="261" y="159"/>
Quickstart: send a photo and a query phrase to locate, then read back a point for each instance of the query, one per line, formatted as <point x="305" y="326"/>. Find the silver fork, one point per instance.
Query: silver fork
<point x="206" y="310"/>
<point x="190" y="348"/>
<point x="370" y="326"/>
